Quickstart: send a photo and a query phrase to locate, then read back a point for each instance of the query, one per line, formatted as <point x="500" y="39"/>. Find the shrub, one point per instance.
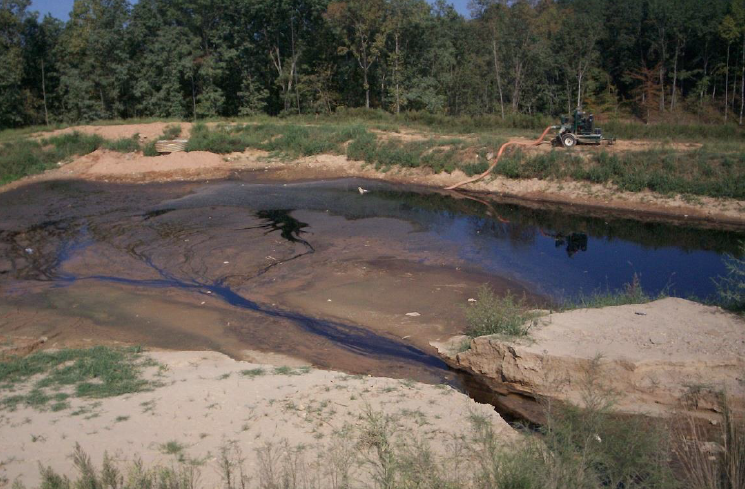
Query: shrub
<point x="731" y="287"/>
<point x="491" y="314"/>
<point x="124" y="145"/>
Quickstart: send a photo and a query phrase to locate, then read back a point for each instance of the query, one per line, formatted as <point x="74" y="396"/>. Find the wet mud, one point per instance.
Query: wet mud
<point x="314" y="271"/>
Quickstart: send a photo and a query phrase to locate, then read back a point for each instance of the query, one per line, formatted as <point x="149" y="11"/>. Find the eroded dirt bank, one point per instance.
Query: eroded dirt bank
<point x="207" y="402"/>
<point x="671" y="354"/>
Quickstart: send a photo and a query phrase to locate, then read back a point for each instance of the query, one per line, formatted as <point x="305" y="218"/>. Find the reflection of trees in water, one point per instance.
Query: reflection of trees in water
<point x="646" y="234"/>
<point x="574" y="241"/>
<point x="519" y="235"/>
<point x="289" y="227"/>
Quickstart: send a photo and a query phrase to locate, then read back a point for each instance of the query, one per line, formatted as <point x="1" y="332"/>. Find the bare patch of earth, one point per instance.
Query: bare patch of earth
<point x="147" y="132"/>
<point x="207" y="402"/>
<point x="654" y="359"/>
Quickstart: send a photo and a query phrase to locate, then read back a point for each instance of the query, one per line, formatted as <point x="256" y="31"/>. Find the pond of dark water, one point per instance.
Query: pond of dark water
<point x="558" y="254"/>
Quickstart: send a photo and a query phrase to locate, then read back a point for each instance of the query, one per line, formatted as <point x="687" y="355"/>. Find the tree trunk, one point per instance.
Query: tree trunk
<point x="663" y="55"/>
<point x="726" y="85"/>
<point x="675" y="74"/>
<point x="193" y="97"/>
<point x="499" y="77"/>
<point x="44" y="92"/>
<point x="734" y="89"/>
<point x="662" y="89"/>
<point x="295" y="57"/>
<point x="579" y="85"/>
<point x="367" y="90"/>
<point x="518" y="84"/>
<point x="395" y="74"/>
<point x="742" y="80"/>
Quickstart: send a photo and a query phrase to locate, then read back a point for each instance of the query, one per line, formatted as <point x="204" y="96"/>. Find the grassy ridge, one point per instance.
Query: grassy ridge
<point x="706" y="171"/>
<point x="716" y="169"/>
<point x="666" y="171"/>
<point x="29" y="157"/>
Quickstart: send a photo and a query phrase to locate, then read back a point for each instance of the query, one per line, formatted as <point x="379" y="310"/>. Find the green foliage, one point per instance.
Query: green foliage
<point x="666" y="171"/>
<point x="125" y="145"/>
<point x="731" y="287"/>
<point x="93" y="373"/>
<point x="491" y="314"/>
<point x="512" y="65"/>
<point x="27" y="156"/>
<point x="172" y="131"/>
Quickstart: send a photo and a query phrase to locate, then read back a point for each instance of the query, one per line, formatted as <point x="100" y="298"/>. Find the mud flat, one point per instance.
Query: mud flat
<point x="668" y="355"/>
<point x="205" y="402"/>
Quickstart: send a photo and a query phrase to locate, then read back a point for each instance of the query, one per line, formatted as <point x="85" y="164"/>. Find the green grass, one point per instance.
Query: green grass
<point x="124" y="145"/>
<point x="630" y="293"/>
<point x="284" y="370"/>
<point x="666" y="171"/>
<point x="28" y="157"/>
<point x="97" y="372"/>
<point x="254" y="372"/>
<point x="172" y="131"/>
<point x="491" y="314"/>
<point x="290" y="140"/>
<point x="716" y="169"/>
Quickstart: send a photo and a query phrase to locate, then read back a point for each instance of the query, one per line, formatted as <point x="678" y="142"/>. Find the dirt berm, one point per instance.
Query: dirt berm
<point x="653" y="359"/>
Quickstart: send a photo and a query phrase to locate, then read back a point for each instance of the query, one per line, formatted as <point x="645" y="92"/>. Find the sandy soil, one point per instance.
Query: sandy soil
<point x="147" y="132"/>
<point x="109" y="166"/>
<point x="206" y="403"/>
<point x="657" y="357"/>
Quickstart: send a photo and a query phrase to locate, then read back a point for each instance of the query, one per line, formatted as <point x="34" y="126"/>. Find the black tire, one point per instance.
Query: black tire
<point x="568" y="140"/>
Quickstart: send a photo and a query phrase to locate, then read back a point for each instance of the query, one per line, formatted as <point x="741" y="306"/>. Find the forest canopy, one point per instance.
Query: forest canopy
<point x="193" y="59"/>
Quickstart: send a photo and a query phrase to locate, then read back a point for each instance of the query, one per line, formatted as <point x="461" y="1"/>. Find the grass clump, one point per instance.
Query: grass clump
<point x="284" y="370"/>
<point x="172" y="131"/>
<point x="254" y="372"/>
<point x="731" y="287"/>
<point x="492" y="314"/>
<point x="97" y="372"/>
<point x="172" y="448"/>
<point x="124" y="145"/>
<point x="182" y="476"/>
<point x="704" y="468"/>
<point x="630" y="293"/>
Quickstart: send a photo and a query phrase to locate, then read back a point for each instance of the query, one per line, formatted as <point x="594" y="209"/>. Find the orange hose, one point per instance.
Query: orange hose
<point x="499" y="155"/>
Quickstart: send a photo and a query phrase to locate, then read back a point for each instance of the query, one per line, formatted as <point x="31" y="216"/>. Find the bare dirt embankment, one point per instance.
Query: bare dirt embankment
<point x="207" y="402"/>
<point x="671" y="354"/>
<point x="134" y="167"/>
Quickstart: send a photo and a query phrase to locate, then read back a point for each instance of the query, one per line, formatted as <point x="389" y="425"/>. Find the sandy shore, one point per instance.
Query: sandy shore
<point x="208" y="401"/>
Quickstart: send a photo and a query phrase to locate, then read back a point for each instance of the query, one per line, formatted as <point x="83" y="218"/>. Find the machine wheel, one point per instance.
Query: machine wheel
<point x="568" y="140"/>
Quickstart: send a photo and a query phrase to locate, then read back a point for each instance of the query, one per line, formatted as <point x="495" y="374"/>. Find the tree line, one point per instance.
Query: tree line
<point x="193" y="59"/>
